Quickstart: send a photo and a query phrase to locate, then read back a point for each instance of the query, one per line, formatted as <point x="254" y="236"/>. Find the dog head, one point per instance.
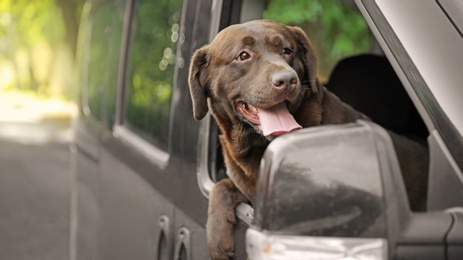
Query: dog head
<point x="250" y="70"/>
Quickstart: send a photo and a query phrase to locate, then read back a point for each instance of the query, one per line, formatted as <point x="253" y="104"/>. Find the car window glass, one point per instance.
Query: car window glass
<point x="104" y="32"/>
<point x="150" y="73"/>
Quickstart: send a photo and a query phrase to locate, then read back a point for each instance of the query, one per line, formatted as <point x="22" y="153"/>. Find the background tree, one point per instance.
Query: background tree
<point x="37" y="44"/>
<point x="71" y="10"/>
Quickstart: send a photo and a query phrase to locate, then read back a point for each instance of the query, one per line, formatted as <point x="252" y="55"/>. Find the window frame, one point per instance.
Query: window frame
<point x="424" y="100"/>
<point x="223" y="14"/>
<point x="445" y="179"/>
<point x="121" y="131"/>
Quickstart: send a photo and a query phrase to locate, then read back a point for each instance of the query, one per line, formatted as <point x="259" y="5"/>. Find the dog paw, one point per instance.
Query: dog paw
<point x="220" y="237"/>
<point x="220" y="254"/>
<point x="221" y="219"/>
<point x="221" y="251"/>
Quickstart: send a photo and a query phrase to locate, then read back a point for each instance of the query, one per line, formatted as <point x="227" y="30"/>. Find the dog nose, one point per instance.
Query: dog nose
<point x="284" y="79"/>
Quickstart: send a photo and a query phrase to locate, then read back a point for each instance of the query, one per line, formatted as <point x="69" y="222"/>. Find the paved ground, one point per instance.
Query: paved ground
<point x="34" y="182"/>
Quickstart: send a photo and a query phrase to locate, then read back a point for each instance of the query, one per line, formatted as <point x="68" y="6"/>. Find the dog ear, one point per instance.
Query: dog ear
<point x="309" y="57"/>
<point x="198" y="91"/>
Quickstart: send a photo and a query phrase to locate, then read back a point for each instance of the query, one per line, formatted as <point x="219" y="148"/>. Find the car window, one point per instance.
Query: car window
<point x="150" y="72"/>
<point x="336" y="30"/>
<point x="350" y="64"/>
<point x="103" y="30"/>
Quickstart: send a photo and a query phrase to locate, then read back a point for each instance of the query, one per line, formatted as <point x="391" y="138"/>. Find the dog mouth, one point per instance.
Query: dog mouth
<point x="272" y="121"/>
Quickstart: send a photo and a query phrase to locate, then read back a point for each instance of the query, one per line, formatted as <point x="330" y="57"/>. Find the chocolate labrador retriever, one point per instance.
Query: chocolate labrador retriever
<point x="258" y="79"/>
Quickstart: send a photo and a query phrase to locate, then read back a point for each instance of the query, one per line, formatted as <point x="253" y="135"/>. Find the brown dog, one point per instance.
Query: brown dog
<point x="260" y="80"/>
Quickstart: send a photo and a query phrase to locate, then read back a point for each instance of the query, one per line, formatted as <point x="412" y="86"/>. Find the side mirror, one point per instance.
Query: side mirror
<point x="342" y="183"/>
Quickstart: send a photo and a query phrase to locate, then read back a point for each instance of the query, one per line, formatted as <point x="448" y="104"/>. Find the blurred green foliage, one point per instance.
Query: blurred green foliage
<point x="30" y="21"/>
<point x="335" y="28"/>
<point x="153" y="48"/>
<point x="35" y="53"/>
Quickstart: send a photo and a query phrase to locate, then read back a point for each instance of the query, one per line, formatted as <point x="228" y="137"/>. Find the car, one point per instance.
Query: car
<point x="143" y="168"/>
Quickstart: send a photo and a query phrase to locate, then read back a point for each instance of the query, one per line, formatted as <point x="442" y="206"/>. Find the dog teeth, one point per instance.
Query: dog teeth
<point x="250" y="107"/>
<point x="246" y="106"/>
<point x="253" y="108"/>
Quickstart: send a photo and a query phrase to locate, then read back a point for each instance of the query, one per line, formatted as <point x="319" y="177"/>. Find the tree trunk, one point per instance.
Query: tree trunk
<point x="70" y="10"/>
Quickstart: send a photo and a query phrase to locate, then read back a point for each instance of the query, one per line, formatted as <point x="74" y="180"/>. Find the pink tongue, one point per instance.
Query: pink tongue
<point x="277" y="120"/>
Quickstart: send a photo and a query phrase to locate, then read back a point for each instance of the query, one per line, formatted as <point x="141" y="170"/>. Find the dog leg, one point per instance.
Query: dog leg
<point x="242" y="172"/>
<point x="221" y="219"/>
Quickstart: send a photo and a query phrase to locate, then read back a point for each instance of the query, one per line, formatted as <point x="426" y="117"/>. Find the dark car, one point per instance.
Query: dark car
<point x="143" y="167"/>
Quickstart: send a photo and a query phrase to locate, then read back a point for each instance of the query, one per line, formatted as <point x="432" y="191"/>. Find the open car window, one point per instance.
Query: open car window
<point x="349" y="62"/>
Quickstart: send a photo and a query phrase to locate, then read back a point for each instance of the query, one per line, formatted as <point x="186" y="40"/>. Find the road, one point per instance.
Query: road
<point x="34" y="189"/>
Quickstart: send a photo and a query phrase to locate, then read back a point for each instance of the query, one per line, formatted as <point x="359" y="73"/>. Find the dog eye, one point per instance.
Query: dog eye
<point x="287" y="51"/>
<point x="243" y="56"/>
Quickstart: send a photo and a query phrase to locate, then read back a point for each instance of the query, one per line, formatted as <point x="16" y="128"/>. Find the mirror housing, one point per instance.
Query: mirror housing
<point x="343" y="181"/>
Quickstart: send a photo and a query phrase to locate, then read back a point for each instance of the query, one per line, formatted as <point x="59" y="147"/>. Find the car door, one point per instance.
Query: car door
<point x="135" y="192"/>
